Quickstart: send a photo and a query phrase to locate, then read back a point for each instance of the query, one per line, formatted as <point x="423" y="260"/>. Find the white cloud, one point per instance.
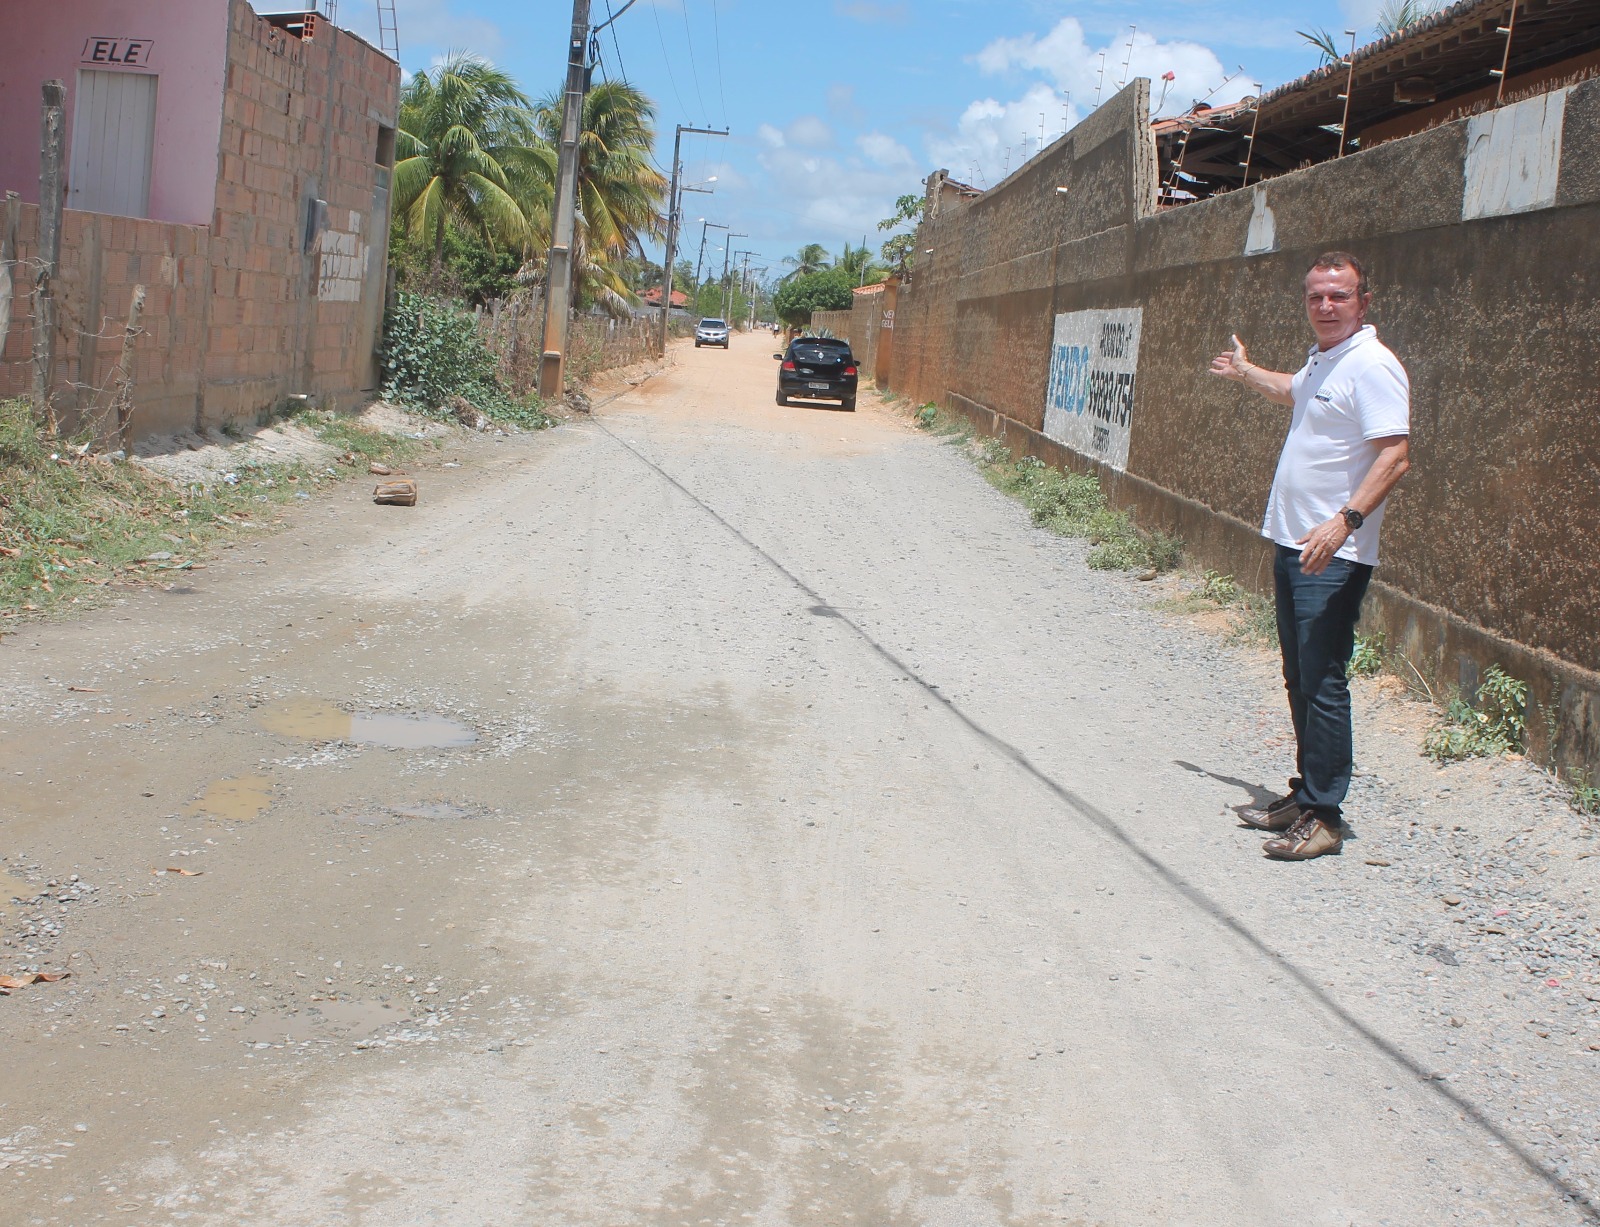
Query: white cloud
<point x="834" y="200"/>
<point x="885" y="150"/>
<point x="809" y="132"/>
<point x="770" y="136"/>
<point x="993" y="136"/>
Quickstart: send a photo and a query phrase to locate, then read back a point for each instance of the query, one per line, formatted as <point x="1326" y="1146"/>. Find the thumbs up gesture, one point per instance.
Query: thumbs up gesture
<point x="1231" y="363"/>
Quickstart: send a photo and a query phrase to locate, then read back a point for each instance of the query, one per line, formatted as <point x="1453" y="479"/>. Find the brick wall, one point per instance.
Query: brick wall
<point x="245" y="311"/>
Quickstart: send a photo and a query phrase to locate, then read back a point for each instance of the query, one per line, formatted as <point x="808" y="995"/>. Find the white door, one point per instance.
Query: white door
<point x="113" y="136"/>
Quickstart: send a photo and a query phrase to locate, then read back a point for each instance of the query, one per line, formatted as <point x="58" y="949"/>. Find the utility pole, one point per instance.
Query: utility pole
<point x="564" y="218"/>
<point x="672" y="226"/>
<point x="700" y="259"/>
<point x="727" y="286"/>
<point x="558" y="268"/>
<point x="744" y="274"/>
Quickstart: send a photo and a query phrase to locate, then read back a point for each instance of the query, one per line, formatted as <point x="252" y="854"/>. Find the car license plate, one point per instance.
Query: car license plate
<point x="818" y="387"/>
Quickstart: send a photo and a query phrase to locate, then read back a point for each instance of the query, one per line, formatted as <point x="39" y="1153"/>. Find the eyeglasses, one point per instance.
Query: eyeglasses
<point x="1338" y="296"/>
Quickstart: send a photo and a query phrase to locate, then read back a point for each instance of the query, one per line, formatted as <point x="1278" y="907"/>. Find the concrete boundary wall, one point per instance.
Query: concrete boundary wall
<point x="1483" y="241"/>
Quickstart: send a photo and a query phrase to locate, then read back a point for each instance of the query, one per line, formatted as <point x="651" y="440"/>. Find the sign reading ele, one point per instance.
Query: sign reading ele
<point x="1089" y="402"/>
<point x="132" y="52"/>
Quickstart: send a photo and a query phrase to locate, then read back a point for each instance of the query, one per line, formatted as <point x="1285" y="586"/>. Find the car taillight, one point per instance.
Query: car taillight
<point x="788" y="366"/>
<point x="849" y="370"/>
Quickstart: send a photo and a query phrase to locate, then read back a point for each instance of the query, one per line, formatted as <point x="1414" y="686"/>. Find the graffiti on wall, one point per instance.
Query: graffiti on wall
<point x="1089" y="401"/>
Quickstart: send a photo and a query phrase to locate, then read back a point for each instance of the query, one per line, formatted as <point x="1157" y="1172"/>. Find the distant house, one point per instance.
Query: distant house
<point x="650" y="300"/>
<point x="235" y="165"/>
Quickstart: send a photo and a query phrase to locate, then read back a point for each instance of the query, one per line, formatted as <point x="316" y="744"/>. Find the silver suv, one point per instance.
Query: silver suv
<point x="711" y="332"/>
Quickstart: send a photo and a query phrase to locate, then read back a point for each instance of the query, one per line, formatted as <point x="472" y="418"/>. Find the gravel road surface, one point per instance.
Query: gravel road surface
<point x="716" y="813"/>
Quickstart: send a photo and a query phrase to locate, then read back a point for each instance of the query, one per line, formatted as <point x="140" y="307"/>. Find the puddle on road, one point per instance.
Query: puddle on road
<point x="422" y="811"/>
<point x="12" y="889"/>
<point x="347" y="1019"/>
<point x="314" y="720"/>
<point x="235" y="800"/>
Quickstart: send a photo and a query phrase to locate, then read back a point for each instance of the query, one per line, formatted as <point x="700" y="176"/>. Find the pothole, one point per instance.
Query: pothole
<point x="316" y="720"/>
<point x="421" y="811"/>
<point x="235" y="800"/>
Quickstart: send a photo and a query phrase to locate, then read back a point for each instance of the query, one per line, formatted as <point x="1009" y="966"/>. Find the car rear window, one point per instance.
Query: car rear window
<point x="822" y="350"/>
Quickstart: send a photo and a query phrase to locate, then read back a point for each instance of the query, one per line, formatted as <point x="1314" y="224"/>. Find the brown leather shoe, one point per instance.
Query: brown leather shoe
<point x="1310" y="837"/>
<point x="1277" y="815"/>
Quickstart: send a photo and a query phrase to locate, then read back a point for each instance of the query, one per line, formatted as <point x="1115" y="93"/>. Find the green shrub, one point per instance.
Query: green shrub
<point x="1367" y="659"/>
<point x="432" y="354"/>
<point x="927" y="417"/>
<point x="1223" y="589"/>
<point x="1495" y="724"/>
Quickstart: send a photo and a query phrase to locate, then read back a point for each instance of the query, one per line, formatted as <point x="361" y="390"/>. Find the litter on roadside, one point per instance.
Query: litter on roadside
<point x="401" y="493"/>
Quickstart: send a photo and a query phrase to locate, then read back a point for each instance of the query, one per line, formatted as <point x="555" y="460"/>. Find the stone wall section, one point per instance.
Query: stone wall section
<point x="1493" y="308"/>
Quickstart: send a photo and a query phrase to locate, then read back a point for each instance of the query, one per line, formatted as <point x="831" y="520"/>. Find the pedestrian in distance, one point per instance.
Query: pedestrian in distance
<point x="1348" y="444"/>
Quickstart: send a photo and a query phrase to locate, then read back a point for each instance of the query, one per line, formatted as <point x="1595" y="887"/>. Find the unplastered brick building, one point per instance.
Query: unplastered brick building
<point x="234" y="164"/>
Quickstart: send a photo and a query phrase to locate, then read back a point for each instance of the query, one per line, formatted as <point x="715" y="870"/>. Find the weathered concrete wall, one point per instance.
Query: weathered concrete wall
<point x="1494" y="310"/>
<point x="258" y="305"/>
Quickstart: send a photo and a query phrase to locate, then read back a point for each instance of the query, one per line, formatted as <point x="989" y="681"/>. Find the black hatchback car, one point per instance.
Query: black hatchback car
<point x="817" y="368"/>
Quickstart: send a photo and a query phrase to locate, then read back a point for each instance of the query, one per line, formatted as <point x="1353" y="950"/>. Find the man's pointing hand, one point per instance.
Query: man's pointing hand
<point x="1231" y="363"/>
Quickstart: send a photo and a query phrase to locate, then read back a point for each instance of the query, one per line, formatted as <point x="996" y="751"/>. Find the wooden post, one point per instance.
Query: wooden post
<point x="51" y="155"/>
<point x="124" y="398"/>
<point x="8" y="257"/>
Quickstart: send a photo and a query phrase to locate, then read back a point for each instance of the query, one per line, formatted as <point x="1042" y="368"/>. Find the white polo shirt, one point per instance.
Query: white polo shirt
<point x="1344" y="398"/>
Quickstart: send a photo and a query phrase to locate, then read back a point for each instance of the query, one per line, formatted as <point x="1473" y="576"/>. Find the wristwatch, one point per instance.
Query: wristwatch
<point x="1353" y="519"/>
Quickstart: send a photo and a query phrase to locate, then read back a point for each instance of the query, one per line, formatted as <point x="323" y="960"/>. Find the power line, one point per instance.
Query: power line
<point x="694" y="69"/>
<point x="666" y="59"/>
<point x="621" y="68"/>
<point x="716" y="30"/>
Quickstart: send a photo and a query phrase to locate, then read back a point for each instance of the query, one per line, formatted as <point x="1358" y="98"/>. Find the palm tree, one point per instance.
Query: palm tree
<point x="812" y="258"/>
<point x="1396" y="15"/>
<point x="469" y="154"/>
<point x="860" y="265"/>
<point x="621" y="196"/>
<point x="1323" y="42"/>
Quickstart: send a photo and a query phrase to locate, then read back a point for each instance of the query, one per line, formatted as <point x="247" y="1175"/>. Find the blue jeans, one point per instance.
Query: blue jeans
<point x="1317" y="632"/>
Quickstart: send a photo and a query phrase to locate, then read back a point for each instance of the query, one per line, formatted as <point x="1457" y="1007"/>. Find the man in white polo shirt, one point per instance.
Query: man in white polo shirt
<point x="1348" y="445"/>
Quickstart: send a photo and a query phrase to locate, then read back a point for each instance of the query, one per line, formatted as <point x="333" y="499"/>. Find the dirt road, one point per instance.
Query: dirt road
<point x="782" y="831"/>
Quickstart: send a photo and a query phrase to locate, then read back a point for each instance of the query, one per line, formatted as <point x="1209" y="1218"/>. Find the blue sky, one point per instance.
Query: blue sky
<point x="836" y="107"/>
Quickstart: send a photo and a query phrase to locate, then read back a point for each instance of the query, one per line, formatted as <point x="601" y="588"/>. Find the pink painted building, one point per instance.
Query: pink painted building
<point x="235" y="165"/>
<point x="144" y="83"/>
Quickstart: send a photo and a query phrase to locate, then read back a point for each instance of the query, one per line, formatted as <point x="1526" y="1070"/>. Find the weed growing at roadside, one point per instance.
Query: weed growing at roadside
<point x="1583" y="793"/>
<point x="1255" y="617"/>
<point x="937" y="422"/>
<point x="1367" y="659"/>
<point x="1073" y="505"/>
<point x="71" y="522"/>
<point x="1495" y="724"/>
<point x="1223" y="589"/>
<point x="352" y="438"/>
<point x="1256" y="621"/>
